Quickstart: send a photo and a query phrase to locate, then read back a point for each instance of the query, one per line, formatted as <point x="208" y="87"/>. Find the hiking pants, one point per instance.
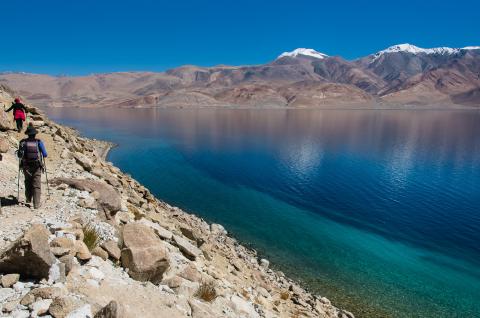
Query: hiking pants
<point x="19" y="124"/>
<point x="33" y="185"/>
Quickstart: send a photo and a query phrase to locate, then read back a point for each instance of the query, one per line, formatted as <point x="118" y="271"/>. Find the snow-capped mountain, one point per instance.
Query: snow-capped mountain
<point x="409" y="48"/>
<point x="400" y="74"/>
<point x="304" y="52"/>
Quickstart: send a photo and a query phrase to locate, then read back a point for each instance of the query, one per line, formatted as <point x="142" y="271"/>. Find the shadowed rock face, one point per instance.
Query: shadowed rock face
<point x="29" y="256"/>
<point x="389" y="77"/>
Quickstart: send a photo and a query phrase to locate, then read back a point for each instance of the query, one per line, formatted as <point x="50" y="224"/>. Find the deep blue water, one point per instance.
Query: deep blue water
<point x="377" y="210"/>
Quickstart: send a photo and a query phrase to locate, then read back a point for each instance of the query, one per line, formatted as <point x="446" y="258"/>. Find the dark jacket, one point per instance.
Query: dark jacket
<point x="19" y="110"/>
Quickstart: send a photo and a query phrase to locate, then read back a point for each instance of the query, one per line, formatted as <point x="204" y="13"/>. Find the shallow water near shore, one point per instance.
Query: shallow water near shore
<point x="377" y="210"/>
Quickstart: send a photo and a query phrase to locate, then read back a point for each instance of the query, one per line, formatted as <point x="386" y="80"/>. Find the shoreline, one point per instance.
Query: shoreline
<point x="197" y="251"/>
<point x="442" y="107"/>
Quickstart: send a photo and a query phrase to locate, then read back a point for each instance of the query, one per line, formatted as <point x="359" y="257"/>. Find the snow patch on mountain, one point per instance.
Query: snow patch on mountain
<point x="305" y="52"/>
<point x="409" y="48"/>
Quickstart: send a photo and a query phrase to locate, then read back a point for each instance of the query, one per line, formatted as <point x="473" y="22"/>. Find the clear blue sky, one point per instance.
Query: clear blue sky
<point x="92" y="36"/>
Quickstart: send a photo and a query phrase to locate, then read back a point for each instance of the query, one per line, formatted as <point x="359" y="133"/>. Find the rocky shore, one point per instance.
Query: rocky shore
<point x="103" y="246"/>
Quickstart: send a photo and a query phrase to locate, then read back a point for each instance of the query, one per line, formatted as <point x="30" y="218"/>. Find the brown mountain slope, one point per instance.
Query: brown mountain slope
<point x="402" y="74"/>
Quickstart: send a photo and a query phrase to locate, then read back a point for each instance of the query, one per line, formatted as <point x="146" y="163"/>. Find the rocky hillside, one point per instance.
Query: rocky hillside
<point x="399" y="75"/>
<point x="103" y="246"/>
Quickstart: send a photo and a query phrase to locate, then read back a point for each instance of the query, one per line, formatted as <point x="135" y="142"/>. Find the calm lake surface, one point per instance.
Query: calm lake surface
<point x="377" y="210"/>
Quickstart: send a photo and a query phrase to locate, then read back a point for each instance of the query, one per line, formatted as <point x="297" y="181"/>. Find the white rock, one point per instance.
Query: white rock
<point x="6" y="293"/>
<point x="242" y="307"/>
<point x="218" y="229"/>
<point x="20" y="314"/>
<point x="82" y="312"/>
<point x="264" y="263"/>
<point x="18" y="286"/>
<point x="96" y="274"/>
<point x="40" y="307"/>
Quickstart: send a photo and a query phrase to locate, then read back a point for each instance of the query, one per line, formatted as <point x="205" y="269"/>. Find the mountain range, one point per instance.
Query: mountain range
<point x="401" y="75"/>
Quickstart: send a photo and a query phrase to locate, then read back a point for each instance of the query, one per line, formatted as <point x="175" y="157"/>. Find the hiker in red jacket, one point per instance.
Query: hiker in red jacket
<point x="19" y="111"/>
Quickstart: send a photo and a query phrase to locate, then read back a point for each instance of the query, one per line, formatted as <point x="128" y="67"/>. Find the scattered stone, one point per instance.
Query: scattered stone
<point x="30" y="256"/>
<point x="66" y="154"/>
<point x="111" y="247"/>
<point x="69" y="261"/>
<point x="242" y="307"/>
<point x="217" y="229"/>
<point x="162" y="232"/>
<point x="20" y="313"/>
<point x="88" y="203"/>
<point x="4" y="146"/>
<point x="81" y="251"/>
<point x="40" y="307"/>
<point x="83" y="161"/>
<point x="9" y="280"/>
<point x="108" y="200"/>
<point x="6" y="293"/>
<point x="100" y="252"/>
<point x="264" y="263"/>
<point x="59" y="251"/>
<point x="112" y="310"/>
<point x="83" y="312"/>
<point x="187" y="248"/>
<point x="62" y="306"/>
<point x="43" y="292"/>
<point x="191" y="273"/>
<point x="62" y="243"/>
<point x="144" y="254"/>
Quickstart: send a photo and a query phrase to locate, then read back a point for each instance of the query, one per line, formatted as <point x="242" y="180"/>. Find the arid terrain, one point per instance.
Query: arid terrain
<point x="401" y="75"/>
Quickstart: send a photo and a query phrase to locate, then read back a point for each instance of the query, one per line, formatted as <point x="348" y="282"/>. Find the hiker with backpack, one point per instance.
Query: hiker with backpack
<point x="31" y="153"/>
<point x="19" y="111"/>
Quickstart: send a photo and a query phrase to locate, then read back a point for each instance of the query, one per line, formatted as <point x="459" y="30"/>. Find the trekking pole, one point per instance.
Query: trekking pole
<point x="18" y="185"/>
<point x="46" y="176"/>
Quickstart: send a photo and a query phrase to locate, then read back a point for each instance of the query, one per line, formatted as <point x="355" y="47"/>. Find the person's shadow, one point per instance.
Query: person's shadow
<point x="8" y="201"/>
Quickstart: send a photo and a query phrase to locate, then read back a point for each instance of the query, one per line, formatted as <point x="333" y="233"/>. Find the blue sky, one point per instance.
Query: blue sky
<point x="93" y="36"/>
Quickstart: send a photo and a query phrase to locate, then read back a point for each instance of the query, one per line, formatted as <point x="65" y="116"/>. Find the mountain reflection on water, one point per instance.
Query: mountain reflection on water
<point x="373" y="206"/>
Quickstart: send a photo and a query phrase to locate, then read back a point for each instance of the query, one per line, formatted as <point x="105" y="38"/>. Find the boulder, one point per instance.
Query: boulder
<point x="112" y="310"/>
<point x="62" y="306"/>
<point x="191" y="273"/>
<point x="4" y="146"/>
<point x="193" y="234"/>
<point x="85" y="162"/>
<point x="43" y="293"/>
<point x="9" y="280"/>
<point x="6" y="121"/>
<point x="144" y="254"/>
<point x="100" y="252"/>
<point x="111" y="247"/>
<point x="242" y="307"/>
<point x="218" y="229"/>
<point x="187" y="248"/>
<point x="66" y="154"/>
<point x="159" y="230"/>
<point x="29" y="256"/>
<point x="264" y="263"/>
<point x="200" y="309"/>
<point x="81" y="251"/>
<point x="5" y="294"/>
<point x="108" y="200"/>
<point x="88" y="203"/>
<point x="40" y="307"/>
<point x="63" y="243"/>
<point x="59" y="251"/>
<point x="83" y="312"/>
<point x="69" y="261"/>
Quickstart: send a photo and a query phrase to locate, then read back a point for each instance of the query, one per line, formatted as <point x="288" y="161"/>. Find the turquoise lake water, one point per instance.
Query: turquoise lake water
<point x="377" y="210"/>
